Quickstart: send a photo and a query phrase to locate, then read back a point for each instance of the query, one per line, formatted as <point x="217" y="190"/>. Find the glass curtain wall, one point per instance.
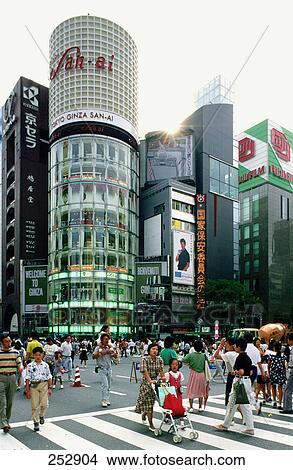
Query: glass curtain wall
<point x="93" y="232"/>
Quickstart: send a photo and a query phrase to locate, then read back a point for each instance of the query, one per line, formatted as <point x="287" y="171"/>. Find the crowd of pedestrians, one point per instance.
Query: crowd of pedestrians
<point x="265" y="371"/>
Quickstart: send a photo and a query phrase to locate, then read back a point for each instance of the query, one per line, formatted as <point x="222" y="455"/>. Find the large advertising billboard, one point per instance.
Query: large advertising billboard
<point x="147" y="274"/>
<point x="183" y="257"/>
<point x="153" y="236"/>
<point x="169" y="156"/>
<point x="35" y="289"/>
<point x="266" y="156"/>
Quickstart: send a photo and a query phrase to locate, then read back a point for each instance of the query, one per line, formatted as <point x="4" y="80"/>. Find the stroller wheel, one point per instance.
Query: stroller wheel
<point x="177" y="439"/>
<point x="193" y="435"/>
<point x="158" y="432"/>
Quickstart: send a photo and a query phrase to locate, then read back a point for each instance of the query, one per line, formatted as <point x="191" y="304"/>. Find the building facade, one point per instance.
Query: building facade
<point x="266" y="224"/>
<point x="93" y="189"/>
<point x="189" y="201"/>
<point x="24" y="207"/>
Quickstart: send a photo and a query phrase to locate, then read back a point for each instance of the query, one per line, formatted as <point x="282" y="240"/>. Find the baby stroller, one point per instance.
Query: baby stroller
<point x="174" y="416"/>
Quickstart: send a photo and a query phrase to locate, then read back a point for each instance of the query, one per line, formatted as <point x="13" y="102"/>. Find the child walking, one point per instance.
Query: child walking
<point x="58" y="369"/>
<point x="38" y="386"/>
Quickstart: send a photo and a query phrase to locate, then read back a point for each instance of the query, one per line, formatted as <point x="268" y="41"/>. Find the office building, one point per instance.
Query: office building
<point x="24" y="208"/>
<point x="189" y="202"/>
<point x="266" y="224"/>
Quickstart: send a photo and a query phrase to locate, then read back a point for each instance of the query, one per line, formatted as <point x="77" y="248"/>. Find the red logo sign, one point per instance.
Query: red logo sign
<point x="246" y="149"/>
<point x="200" y="198"/>
<point x="72" y="59"/>
<point x="281" y="145"/>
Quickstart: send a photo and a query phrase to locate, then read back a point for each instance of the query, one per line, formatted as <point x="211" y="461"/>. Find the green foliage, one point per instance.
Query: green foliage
<point x="228" y="291"/>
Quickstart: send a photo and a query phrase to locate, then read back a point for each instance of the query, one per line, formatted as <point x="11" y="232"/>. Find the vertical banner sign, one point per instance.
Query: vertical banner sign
<point x="34" y="173"/>
<point x="35" y="289"/>
<point x="201" y="246"/>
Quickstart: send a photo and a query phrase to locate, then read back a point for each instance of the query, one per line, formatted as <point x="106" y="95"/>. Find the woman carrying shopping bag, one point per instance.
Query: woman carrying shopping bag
<point x="241" y="384"/>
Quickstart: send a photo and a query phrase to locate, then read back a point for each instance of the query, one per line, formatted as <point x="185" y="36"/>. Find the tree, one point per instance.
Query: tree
<point x="228" y="291"/>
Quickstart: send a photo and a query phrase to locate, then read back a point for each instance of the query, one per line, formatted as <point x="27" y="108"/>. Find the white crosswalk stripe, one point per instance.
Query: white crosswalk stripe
<point x="104" y="429"/>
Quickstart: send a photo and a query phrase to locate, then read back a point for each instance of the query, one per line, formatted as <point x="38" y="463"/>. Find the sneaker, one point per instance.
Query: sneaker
<point x="5" y="429"/>
<point x="275" y="404"/>
<point x="249" y="432"/>
<point x="54" y="386"/>
<point x="71" y="380"/>
<point x="104" y="403"/>
<point x="190" y="410"/>
<point x="18" y="388"/>
<point x="36" y="427"/>
<point x="61" y="386"/>
<point x="42" y="420"/>
<point x="200" y="410"/>
<point x="108" y="403"/>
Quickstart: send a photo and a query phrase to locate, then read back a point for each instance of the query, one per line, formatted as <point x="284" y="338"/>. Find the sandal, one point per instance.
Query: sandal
<point x="221" y="427"/>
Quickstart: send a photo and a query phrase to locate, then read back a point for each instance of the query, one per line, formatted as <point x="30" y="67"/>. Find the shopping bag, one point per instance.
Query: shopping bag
<point x="172" y="403"/>
<point x="207" y="371"/>
<point x="163" y="391"/>
<point x="241" y="397"/>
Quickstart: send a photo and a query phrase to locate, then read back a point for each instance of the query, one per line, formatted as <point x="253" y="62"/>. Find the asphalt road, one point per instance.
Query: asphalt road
<point x="76" y="420"/>
<point x="72" y="400"/>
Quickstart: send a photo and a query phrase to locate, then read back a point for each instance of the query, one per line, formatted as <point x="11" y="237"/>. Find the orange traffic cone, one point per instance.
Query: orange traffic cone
<point x="77" y="382"/>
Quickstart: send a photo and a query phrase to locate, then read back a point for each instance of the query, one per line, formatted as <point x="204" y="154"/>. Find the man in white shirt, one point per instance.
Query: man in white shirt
<point x="255" y="357"/>
<point x="66" y="349"/>
<point x="229" y="357"/>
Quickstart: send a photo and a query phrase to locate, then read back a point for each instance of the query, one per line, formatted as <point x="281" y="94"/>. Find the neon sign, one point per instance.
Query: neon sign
<point x="72" y="59"/>
<point x="201" y="249"/>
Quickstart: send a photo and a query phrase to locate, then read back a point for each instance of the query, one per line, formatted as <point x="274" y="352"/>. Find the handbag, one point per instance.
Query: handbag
<point x="163" y="391"/>
<point x="172" y="403"/>
<point x="207" y="370"/>
<point x="241" y="397"/>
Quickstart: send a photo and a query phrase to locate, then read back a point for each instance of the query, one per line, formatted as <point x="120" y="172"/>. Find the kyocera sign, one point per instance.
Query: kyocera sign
<point x="72" y="59"/>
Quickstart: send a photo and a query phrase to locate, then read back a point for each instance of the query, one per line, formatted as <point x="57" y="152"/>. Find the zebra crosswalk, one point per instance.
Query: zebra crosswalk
<point x="121" y="428"/>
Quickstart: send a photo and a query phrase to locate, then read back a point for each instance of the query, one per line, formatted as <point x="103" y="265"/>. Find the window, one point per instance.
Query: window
<point x="245" y="210"/>
<point x="256" y="265"/>
<point x="215" y="169"/>
<point x="223" y="179"/>
<point x="159" y="209"/>
<point x="246" y="267"/>
<point x="255" y="230"/>
<point x="246" y="249"/>
<point x="100" y="150"/>
<point x="256" y="248"/>
<point x="112" y="240"/>
<point x="87" y="150"/>
<point x="246" y="232"/>
<point x="255" y="205"/>
<point x="284" y="208"/>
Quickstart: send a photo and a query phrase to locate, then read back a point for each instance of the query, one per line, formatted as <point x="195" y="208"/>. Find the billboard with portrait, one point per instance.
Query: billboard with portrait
<point x="169" y="156"/>
<point x="183" y="257"/>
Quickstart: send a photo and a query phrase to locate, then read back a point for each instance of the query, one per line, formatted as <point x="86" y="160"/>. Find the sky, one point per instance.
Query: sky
<point x="182" y="46"/>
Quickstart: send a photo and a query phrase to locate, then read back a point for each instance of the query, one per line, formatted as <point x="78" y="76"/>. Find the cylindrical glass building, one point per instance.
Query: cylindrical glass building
<point x="93" y="176"/>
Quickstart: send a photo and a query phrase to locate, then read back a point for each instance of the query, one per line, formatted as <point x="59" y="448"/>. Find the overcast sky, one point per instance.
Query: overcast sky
<point x="182" y="46"/>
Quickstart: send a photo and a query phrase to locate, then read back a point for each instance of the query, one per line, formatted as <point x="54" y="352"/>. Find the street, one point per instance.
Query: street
<point x="76" y="420"/>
